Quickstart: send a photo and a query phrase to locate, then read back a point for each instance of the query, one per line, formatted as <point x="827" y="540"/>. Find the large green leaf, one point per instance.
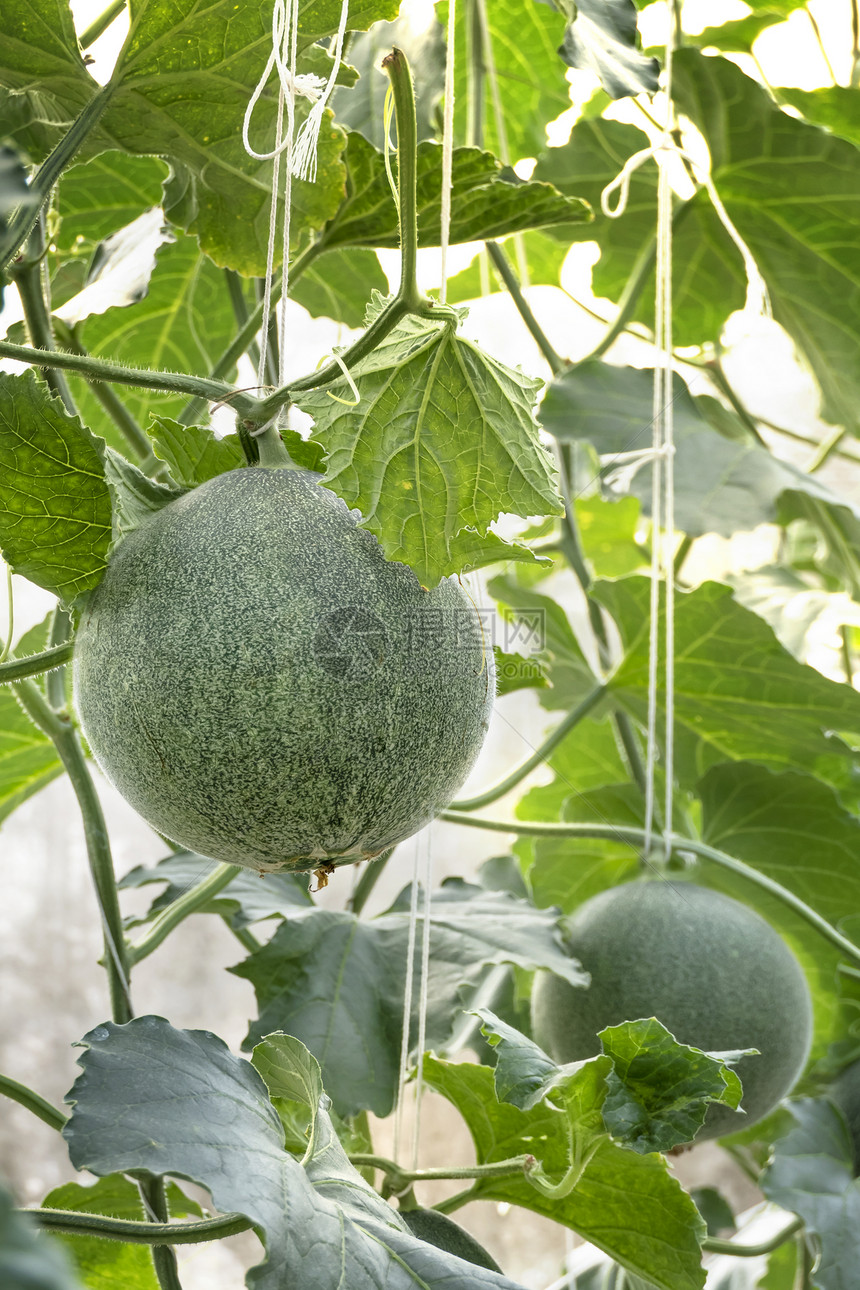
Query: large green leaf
<point x="531" y="88"/>
<point x="442" y="441"/>
<point x="28" y="759"/>
<point x="627" y="1204"/>
<point x="704" y="293"/>
<point x="602" y="37"/>
<point x="340" y="284"/>
<point x="486" y="201"/>
<point x="835" y="107"/>
<point x="244" y="900"/>
<point x="103" y="195"/>
<point x="535" y="620"/>
<point x="721" y="485"/>
<point x="107" y="1265"/>
<point x="312" y="980"/>
<point x="812" y="1174"/>
<point x="178" y="1102"/>
<point x="55" y="510"/>
<point x="738" y="692"/>
<point x="182" y="324"/>
<point x="29" y="1260"/>
<point x="792" y="191"/>
<point x="42" y="67"/>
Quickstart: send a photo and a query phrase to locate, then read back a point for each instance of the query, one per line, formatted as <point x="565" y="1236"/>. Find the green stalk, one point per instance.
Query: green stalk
<point x="246" y="939"/>
<point x="715" y="1246"/>
<point x="137" y="1233"/>
<point x="457" y="1201"/>
<point x="628" y="302"/>
<point x="635" y="837"/>
<point x="370" y="877"/>
<point x="717" y="373"/>
<point x="475" y="69"/>
<point x="399" y="1179"/>
<point x="63" y="735"/>
<point x="178" y="910"/>
<point x="500" y="260"/>
<point x="827" y="448"/>
<point x="32" y="1101"/>
<point x="55" y="680"/>
<point x="241" y="312"/>
<point x="28" y="276"/>
<point x="561" y="731"/>
<point x="97" y="369"/>
<point x="154" y="1196"/>
<point x="18" y="668"/>
<point x="49" y="172"/>
<point x="100" y="25"/>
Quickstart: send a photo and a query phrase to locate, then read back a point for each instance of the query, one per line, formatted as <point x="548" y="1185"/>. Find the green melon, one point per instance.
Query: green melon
<point x="266" y="689"/>
<point x="710" y="969"/>
<point x="439" y="1230"/>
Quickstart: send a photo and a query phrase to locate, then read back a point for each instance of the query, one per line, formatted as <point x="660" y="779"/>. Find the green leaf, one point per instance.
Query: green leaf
<point x="442" y="441"/>
<point x="361" y="108"/>
<point x="134" y="496"/>
<point x="530" y="79"/>
<point x="28" y="759"/>
<point x="178" y="1102"/>
<point x="29" y="1260"/>
<point x="340" y="284"/>
<point x="608" y="533"/>
<point x="42" y="66"/>
<point x="714" y="1208"/>
<point x="603" y="38"/>
<point x="55" y="521"/>
<point x="514" y="672"/>
<point x="628" y="1205"/>
<point x="765" y="707"/>
<point x="659" y="1089"/>
<point x="811" y="1174"/>
<point x="244" y="900"/>
<point x="311" y="980"/>
<point x="106" y="1265"/>
<point x="182" y="324"/>
<point x="738" y="36"/>
<point x="721" y="485"/>
<point x="523" y="1073"/>
<point x="835" y="107"/>
<point x="536" y="621"/>
<point x="193" y="454"/>
<point x="486" y="201"/>
<point x="102" y="196"/>
<point x="792" y="191"/>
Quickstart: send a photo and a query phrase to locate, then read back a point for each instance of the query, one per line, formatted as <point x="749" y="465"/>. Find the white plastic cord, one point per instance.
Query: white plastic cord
<point x="447" y="153"/>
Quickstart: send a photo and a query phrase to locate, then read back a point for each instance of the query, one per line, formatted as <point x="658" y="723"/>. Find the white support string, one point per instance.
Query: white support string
<point x="447" y="153"/>
<point x="424" y="990"/>
<point x="407" y="1004"/>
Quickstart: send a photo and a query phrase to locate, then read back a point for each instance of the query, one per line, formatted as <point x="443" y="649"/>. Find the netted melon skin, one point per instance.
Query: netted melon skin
<point x="264" y="688"/>
<point x="709" y="968"/>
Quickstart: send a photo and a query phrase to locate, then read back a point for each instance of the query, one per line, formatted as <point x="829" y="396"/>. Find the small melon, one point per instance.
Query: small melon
<point x="710" y="969"/>
<point x="266" y="689"/>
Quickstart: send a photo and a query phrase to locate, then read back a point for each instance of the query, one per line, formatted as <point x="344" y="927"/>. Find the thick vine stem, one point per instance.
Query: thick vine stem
<point x="178" y="910"/>
<point x="140" y="1233"/>
<point x="713" y="1245"/>
<point x="49" y="172"/>
<point x="506" y="273"/>
<point x="63" y="735"/>
<point x="16" y="669"/>
<point x="635" y="837"/>
<point x="561" y="731"/>
<point x="28" y="275"/>
<point x="34" y="1102"/>
<point x="399" y="1180"/>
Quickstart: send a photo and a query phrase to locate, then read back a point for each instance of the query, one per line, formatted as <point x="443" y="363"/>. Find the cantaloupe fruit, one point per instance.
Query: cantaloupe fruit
<point x="710" y="969"/>
<point x="266" y="689"/>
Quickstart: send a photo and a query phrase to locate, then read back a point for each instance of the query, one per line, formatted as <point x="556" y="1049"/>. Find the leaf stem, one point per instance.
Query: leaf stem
<point x="100" y="24"/>
<point x="25" y="1096"/>
<point x="457" y="1201"/>
<point x="717" y="373"/>
<point x="245" y="938"/>
<point x="826" y="449"/>
<point x="113" y="405"/>
<point x="241" y="311"/>
<point x="627" y="304"/>
<point x="97" y="369"/>
<point x="370" y="877"/>
<point x="154" y="1197"/>
<point x="399" y="1179"/>
<point x="61" y="634"/>
<point x="140" y="1233"/>
<point x="561" y="731"/>
<point x="635" y="837"/>
<point x="716" y="1246"/>
<point x="178" y="910"/>
<point x="508" y="277"/>
<point x="49" y="172"/>
<point x="28" y="275"/>
<point x="18" y="668"/>
<point x="59" y="729"/>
